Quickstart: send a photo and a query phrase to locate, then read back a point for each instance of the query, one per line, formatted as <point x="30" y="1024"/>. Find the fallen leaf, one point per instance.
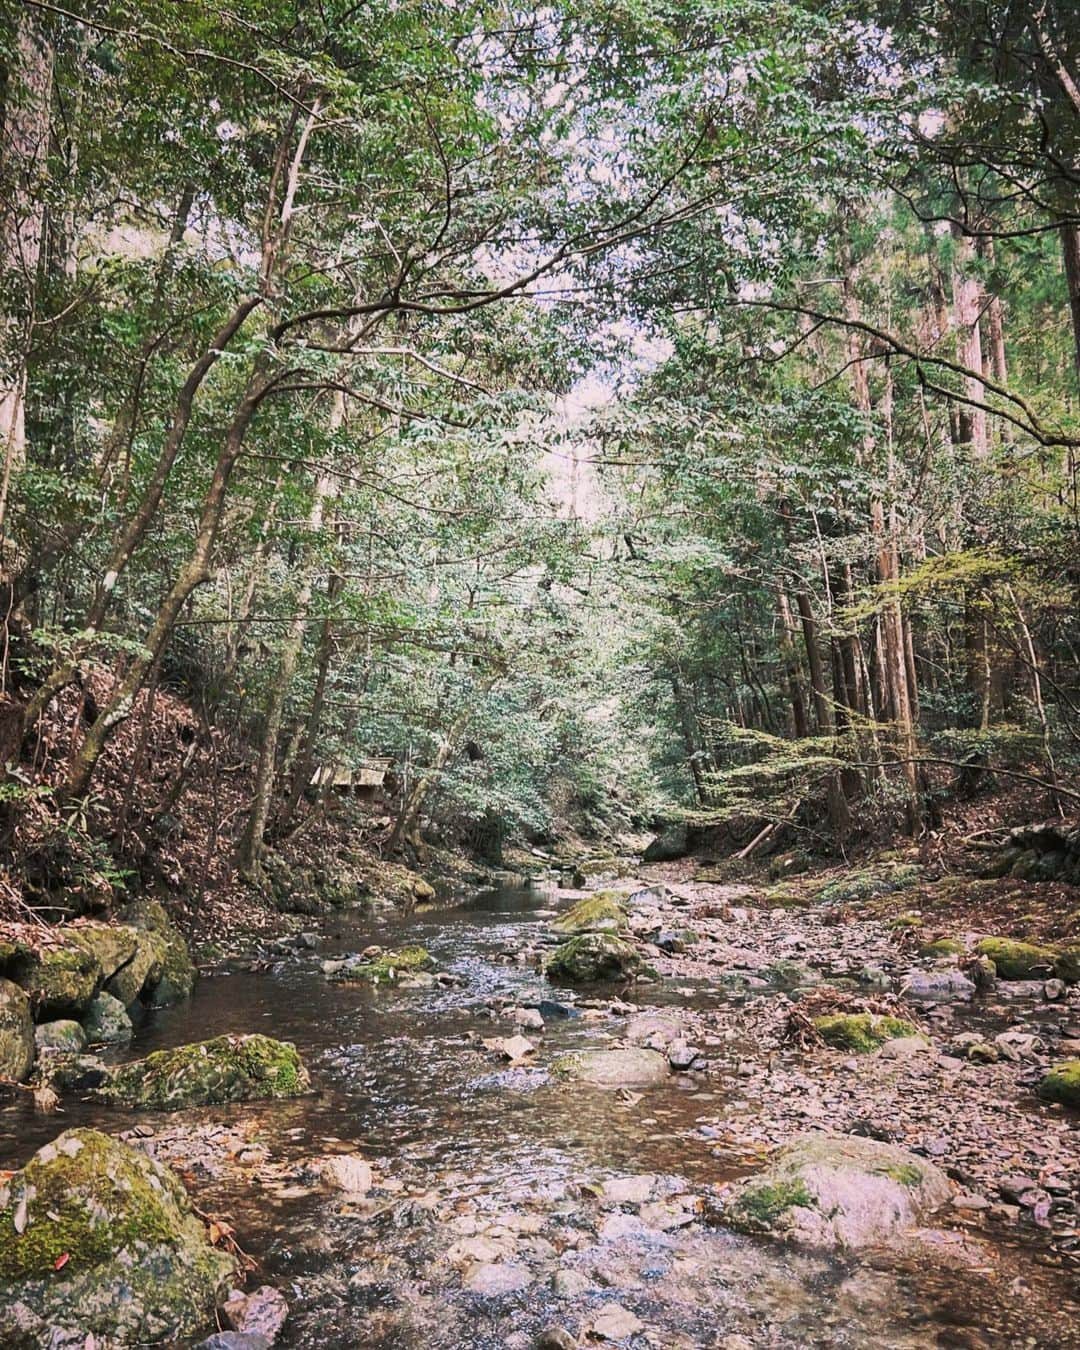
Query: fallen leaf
<point x="21" y="1216"/>
<point x="61" y="1261"/>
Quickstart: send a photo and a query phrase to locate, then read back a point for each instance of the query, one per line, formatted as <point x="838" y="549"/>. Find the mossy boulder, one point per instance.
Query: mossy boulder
<point x="672" y="842"/>
<point x="1067" y="964"/>
<point x="98" y="1240"/>
<point x="107" y="1021"/>
<point x="388" y="967"/>
<point x="171" y="972"/>
<point x="603" y="912"/>
<point x="61" y="981"/>
<point x="869" y="883"/>
<point x="1062" y="1084"/>
<point x="836" y="1191"/>
<point x="16" y="1032"/>
<point x="790" y="864"/>
<point x="629" y="1066"/>
<point x="942" y="947"/>
<point x="111" y="945"/>
<point x="62" y="1037"/>
<point x="1017" y="960"/>
<point x="591" y="957"/>
<point x="787" y="974"/>
<point x="861" y="1033"/>
<point x="210" y="1073"/>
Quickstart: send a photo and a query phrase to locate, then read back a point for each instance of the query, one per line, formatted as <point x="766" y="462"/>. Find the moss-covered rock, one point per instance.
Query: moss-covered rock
<point x="871" y="882"/>
<point x="861" y="1033"/>
<point x="603" y="912"/>
<point x="209" y="1073"/>
<point x="388" y="967"/>
<point x="171" y="974"/>
<point x="787" y="974"/>
<point x="942" y="947"/>
<point x="61" y="981"/>
<point x="99" y="1240"/>
<point x="62" y="1037"/>
<point x="107" y="1022"/>
<point x="1017" y="960"/>
<point x="1062" y="1084"/>
<point x="111" y="945"/>
<point x="1067" y="964"/>
<point x="16" y="1032"/>
<point x="591" y="957"/>
<point x="790" y="864"/>
<point x="838" y="1191"/>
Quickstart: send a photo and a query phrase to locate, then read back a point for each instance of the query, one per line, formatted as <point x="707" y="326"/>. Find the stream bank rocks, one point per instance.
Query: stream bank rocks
<point x="89" y="981"/>
<point x="209" y="1073"/>
<point x="841" y="1191"/>
<point x="592" y="957"/>
<point x="629" y="1066"/>
<point x="405" y="966"/>
<point x="98" y="1240"/>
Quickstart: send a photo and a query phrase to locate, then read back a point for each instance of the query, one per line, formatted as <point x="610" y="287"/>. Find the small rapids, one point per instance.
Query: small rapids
<point x="511" y="1164"/>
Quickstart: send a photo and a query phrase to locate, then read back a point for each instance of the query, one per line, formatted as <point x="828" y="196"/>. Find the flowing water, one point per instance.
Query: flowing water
<point x="462" y="1148"/>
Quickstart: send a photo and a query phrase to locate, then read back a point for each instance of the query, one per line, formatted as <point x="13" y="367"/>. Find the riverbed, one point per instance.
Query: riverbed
<point x="501" y="1207"/>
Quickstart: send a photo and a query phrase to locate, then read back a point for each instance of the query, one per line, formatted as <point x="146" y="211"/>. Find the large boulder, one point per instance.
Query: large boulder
<point x="630" y="1066"/>
<point x="381" y="967"/>
<point x="590" y="957"/>
<point x="62" y="1037"/>
<point x="861" y="1033"/>
<point x="1062" y="1084"/>
<point x="672" y="842"/>
<point x="170" y="972"/>
<point x="16" y="1032"/>
<point x="111" y="945"/>
<point x="830" y="1191"/>
<point x="1018" y="960"/>
<point x="604" y="912"/>
<point x="209" y="1073"/>
<point x="61" y="981"/>
<point x="98" y="1240"/>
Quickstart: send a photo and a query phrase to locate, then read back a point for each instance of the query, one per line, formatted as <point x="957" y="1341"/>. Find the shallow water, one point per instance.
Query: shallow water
<point x="463" y="1144"/>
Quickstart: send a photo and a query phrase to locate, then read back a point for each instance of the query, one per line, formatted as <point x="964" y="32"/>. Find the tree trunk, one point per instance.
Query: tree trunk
<point x="1070" y="248"/>
<point x="790" y="660"/>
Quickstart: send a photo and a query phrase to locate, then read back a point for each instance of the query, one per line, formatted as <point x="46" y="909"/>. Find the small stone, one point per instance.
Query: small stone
<point x="530" y="1019"/>
<point x="570" y="1283"/>
<point x="633" y="1190"/>
<point x="1054" y="990"/>
<point x="60" y="1037"/>
<point x="555" y="1338"/>
<point x="347" y="1171"/>
<point x="681" y="1056"/>
<point x="614" y="1323"/>
<point x="494" y="1279"/>
<point x="510" y="1047"/>
<point x="261" y="1313"/>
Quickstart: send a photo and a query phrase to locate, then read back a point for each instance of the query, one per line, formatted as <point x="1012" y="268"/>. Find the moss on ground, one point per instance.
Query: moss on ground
<point x="759" y="1207"/>
<point x="1062" y="1084"/>
<point x="861" y="1033"/>
<point x="868" y="883"/>
<point x="942" y="947"/>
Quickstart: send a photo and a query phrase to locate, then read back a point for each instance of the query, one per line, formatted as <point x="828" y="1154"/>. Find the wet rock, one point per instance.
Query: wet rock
<point x="111" y="945"/>
<point x="615" y="1323"/>
<point x="162" y="950"/>
<point x="347" y="1171"/>
<point x="552" y="1011"/>
<point x="226" y="1069"/>
<point x="592" y="957"/>
<point x="555" y="1338"/>
<point x="495" y="1279"/>
<point x="603" y="912"/>
<point x="633" y="1190"/>
<point x="1062" y="1084"/>
<point x="682" y="1056"/>
<point x="107" y="1021"/>
<point x="510" y="1047"/>
<point x="16" y="1032"/>
<point x="234" y="1340"/>
<point x="99" y="1240"/>
<point x="631" y="1066"/>
<point x="529" y="1019"/>
<point x="838" y="1191"/>
<point x="261" y="1313"/>
<point x="667" y="1215"/>
<point x="80" y="1073"/>
<point x="932" y="986"/>
<point x="654" y="1029"/>
<point x="391" y="967"/>
<point x="861" y="1032"/>
<point x="63" y="1037"/>
<point x="791" y="975"/>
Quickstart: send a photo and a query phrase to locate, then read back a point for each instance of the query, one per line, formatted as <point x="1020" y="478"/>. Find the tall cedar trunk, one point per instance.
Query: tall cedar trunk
<point x="24" y="145"/>
<point x="893" y="654"/>
<point x="1070" y="248"/>
<point x="792" y="672"/>
<point x="967" y="307"/>
<point x="690" y="741"/>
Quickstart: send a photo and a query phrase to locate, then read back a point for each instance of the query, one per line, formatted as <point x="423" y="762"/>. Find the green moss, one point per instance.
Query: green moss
<point x="594" y="956"/>
<point x="1067" y="964"/>
<point x="1062" y="1084"/>
<point x="907" y="1174"/>
<point x="602" y="912"/>
<point x="1017" y="960"/>
<point x="942" y="947"/>
<point x="759" y="1207"/>
<point x="86" y="1197"/>
<point x="226" y="1069"/>
<point x="388" y="967"/>
<point x="906" y="921"/>
<point x="866" y="884"/>
<point x="59" y="980"/>
<point x="861" y="1033"/>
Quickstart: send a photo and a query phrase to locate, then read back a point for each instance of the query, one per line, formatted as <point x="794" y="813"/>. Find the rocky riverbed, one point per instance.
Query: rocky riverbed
<point x="492" y="1157"/>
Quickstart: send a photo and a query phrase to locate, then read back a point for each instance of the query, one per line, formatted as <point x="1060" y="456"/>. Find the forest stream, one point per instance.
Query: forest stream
<point x="504" y="1203"/>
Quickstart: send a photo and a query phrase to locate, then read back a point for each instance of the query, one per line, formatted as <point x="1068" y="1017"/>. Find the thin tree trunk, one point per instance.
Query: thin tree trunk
<point x="790" y="660"/>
